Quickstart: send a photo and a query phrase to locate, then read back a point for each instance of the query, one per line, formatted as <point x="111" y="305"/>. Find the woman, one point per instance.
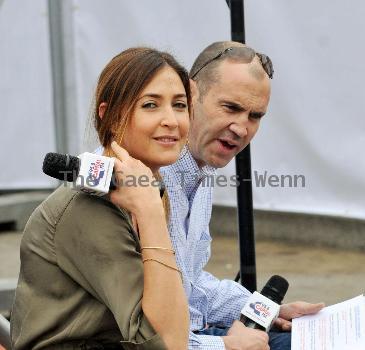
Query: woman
<point x="100" y="273"/>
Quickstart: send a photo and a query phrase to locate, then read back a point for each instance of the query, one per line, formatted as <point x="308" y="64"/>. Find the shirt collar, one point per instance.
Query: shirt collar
<point x="99" y="151"/>
<point x="189" y="174"/>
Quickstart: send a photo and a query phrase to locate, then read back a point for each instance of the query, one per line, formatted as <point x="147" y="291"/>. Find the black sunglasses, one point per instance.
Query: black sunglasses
<point x="245" y="53"/>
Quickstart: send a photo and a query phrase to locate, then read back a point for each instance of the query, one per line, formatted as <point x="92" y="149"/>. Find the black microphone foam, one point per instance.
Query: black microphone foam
<point x="275" y="289"/>
<point x="61" y="166"/>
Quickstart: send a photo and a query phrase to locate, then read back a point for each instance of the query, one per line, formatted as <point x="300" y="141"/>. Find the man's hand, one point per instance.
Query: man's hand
<point x="293" y="310"/>
<point x="240" y="337"/>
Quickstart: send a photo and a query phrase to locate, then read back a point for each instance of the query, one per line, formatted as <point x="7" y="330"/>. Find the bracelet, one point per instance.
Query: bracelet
<point x="160" y="248"/>
<point x="162" y="263"/>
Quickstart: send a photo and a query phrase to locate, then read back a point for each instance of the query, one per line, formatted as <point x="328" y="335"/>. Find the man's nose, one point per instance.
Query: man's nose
<point x="169" y="118"/>
<point x="239" y="129"/>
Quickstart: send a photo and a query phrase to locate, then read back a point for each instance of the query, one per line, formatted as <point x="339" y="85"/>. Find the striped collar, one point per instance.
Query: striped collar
<point x="188" y="175"/>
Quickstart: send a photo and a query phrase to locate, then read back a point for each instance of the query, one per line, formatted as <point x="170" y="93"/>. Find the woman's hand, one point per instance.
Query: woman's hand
<point x="137" y="188"/>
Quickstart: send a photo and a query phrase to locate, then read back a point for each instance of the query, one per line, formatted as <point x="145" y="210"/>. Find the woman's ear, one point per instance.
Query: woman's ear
<point x="102" y="109"/>
<point x="194" y="91"/>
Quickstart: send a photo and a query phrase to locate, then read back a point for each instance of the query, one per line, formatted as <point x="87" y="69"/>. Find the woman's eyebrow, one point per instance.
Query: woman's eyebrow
<point x="180" y="95"/>
<point x="151" y="95"/>
<point x="158" y="96"/>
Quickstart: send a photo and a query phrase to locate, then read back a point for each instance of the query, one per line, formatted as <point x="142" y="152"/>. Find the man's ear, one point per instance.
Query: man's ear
<point x="102" y="109"/>
<point x="194" y="91"/>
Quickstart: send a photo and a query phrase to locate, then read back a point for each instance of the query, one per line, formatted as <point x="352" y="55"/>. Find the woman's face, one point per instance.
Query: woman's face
<point x="158" y="126"/>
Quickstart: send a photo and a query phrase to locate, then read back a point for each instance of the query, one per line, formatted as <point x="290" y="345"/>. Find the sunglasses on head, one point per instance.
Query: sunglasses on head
<point x="244" y="53"/>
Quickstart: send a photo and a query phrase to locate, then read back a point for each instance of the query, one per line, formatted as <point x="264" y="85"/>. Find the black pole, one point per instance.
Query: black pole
<point x="246" y="235"/>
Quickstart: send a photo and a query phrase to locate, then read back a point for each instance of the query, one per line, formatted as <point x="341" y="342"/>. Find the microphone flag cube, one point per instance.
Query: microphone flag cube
<point x="261" y="310"/>
<point x="95" y="173"/>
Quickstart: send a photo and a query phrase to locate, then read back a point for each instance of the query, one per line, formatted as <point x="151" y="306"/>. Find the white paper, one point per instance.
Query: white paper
<point x="337" y="327"/>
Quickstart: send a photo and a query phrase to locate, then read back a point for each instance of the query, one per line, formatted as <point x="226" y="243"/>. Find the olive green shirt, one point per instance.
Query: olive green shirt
<point x="81" y="278"/>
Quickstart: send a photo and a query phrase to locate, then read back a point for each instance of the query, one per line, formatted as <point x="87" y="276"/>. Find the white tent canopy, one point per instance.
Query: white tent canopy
<point x="313" y="129"/>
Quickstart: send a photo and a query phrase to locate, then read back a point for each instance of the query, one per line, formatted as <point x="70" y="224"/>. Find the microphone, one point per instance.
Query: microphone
<point x="90" y="173"/>
<point x="262" y="309"/>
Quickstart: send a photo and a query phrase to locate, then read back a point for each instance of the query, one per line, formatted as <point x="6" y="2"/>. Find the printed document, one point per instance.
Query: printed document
<point x="337" y="327"/>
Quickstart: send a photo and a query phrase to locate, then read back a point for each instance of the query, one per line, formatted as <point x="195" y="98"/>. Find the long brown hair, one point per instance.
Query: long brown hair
<point x="119" y="85"/>
<point x="121" y="82"/>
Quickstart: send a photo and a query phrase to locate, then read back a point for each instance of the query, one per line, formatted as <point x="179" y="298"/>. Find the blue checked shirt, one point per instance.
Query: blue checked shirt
<point x="211" y="301"/>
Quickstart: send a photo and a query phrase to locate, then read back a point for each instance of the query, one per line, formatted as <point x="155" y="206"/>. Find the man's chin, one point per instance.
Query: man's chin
<point x="219" y="156"/>
<point x="213" y="159"/>
<point x="218" y="162"/>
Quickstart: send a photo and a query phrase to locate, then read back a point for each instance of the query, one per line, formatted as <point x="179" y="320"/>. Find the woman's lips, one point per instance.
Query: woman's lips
<point x="166" y="140"/>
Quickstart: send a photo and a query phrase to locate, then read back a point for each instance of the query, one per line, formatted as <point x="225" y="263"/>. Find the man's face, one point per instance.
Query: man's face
<point x="228" y="116"/>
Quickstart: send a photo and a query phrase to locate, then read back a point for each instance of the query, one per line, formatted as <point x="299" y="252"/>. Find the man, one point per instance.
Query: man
<point x="230" y="94"/>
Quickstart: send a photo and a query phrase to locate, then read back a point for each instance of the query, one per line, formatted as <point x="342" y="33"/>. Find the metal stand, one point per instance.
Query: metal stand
<point x="243" y="170"/>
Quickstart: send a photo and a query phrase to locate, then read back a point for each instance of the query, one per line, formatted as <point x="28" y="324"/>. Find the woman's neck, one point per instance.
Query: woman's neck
<point x="109" y="153"/>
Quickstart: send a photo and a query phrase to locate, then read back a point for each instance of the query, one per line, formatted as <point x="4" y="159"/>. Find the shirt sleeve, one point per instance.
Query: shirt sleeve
<point x="96" y="246"/>
<point x="226" y="299"/>
<point x="205" y="342"/>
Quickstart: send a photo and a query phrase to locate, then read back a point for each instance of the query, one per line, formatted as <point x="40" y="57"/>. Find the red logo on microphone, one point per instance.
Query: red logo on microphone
<point x="96" y="172"/>
<point x="260" y="309"/>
